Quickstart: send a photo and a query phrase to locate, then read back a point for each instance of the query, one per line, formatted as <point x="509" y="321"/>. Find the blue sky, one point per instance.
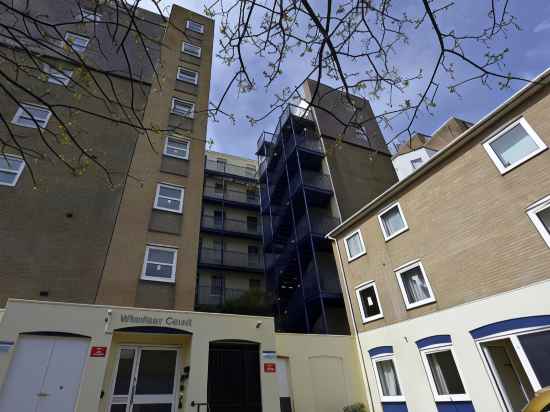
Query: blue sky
<point x="528" y="56"/>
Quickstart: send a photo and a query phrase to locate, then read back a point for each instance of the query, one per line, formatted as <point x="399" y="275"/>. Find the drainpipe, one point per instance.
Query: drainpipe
<point x="357" y="343"/>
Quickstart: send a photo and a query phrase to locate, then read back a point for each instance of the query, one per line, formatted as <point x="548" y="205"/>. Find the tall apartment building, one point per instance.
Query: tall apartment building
<point x="231" y="269"/>
<point x="446" y="274"/>
<point x="314" y="173"/>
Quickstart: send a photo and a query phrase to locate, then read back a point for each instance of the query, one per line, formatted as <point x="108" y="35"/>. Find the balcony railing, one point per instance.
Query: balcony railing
<point x="212" y="256"/>
<point x="210" y="298"/>
<point x="250" y="198"/>
<point x="231" y="225"/>
<point x="231" y="169"/>
<point x="312" y="180"/>
<point x="308" y="141"/>
<point x="320" y="225"/>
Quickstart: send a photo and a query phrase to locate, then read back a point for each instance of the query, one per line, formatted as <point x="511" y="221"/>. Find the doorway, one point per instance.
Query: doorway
<point x="44" y="374"/>
<point x="146" y="380"/>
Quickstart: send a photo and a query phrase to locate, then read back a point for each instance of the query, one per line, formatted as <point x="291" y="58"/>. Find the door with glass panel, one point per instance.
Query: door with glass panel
<point x="145" y="380"/>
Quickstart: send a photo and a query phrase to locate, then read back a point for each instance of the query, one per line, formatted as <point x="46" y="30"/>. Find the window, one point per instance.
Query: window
<point x="414" y="285"/>
<point x="194" y="26"/>
<point x="175" y="147"/>
<point x="191" y="49"/>
<point x="219" y="187"/>
<point x="369" y="304"/>
<point x="11" y="168"/>
<point x="217" y="285"/>
<point x="250" y="171"/>
<point x="392" y="221"/>
<point x="513" y="146"/>
<point x="59" y="77"/>
<point x="539" y="213"/>
<point x="221" y="164"/>
<point x="251" y="195"/>
<point x="169" y="198"/>
<point x="254" y="284"/>
<point x="387" y="380"/>
<point x="78" y="43"/>
<point x="219" y="217"/>
<point x="253" y="250"/>
<point x="354" y="245"/>
<point x="33" y="116"/>
<point x="187" y="75"/>
<point x="443" y="374"/>
<point x="159" y="264"/>
<point x="416" y="163"/>
<point x="252" y="224"/>
<point x="90" y="16"/>
<point x="183" y="108"/>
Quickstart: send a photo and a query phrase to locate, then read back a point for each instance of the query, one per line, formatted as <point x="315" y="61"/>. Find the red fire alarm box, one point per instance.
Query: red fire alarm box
<point x="98" y="351"/>
<point x="270" y="367"/>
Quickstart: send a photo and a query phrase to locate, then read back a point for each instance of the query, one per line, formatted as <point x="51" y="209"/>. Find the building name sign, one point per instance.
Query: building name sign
<point x="151" y="321"/>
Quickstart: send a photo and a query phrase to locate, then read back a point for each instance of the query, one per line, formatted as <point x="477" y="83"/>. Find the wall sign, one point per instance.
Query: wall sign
<point x="5" y="346"/>
<point x="269" y="355"/>
<point x="98" y="351"/>
<point x="153" y="321"/>
<point x="270" y="367"/>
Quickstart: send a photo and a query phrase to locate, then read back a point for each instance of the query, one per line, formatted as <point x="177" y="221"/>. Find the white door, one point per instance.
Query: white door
<point x="44" y="374"/>
<point x="146" y="380"/>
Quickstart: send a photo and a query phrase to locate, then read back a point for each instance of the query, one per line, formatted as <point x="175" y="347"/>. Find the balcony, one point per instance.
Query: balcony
<point x="235" y="227"/>
<point x="320" y="226"/>
<point x="228" y="169"/>
<point x="248" y="199"/>
<point x="317" y="186"/>
<point x="238" y="301"/>
<point x="219" y="258"/>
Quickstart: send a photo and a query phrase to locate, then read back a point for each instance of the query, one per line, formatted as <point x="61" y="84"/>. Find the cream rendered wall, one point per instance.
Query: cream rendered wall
<point x="457" y="322"/>
<point x="325" y="375"/>
<point x="1" y="314"/>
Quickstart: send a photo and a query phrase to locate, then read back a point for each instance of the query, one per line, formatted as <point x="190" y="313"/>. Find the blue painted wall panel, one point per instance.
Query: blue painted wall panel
<point x="394" y="407"/>
<point x="455" y="407"/>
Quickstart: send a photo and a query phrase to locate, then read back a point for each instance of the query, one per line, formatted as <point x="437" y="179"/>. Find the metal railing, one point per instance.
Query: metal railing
<point x="229" y="168"/>
<point x="231" y="225"/>
<point x="230" y="258"/>
<point x="312" y="180"/>
<point x="309" y="141"/>
<point x="230" y="300"/>
<point x="247" y="197"/>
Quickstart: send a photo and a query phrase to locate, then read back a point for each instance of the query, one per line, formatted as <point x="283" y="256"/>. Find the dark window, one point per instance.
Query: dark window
<point x="369" y="301"/>
<point x="219" y="217"/>
<point x="219" y="187"/>
<point x="217" y="285"/>
<point x="251" y="195"/>
<point x="255" y="283"/>
<point x="252" y="250"/>
<point x="252" y="223"/>
<point x="537" y="349"/>
<point x="445" y="373"/>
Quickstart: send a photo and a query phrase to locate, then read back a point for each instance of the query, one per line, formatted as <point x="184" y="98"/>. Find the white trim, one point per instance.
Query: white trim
<point x="363" y="251"/>
<point x="172" y="278"/>
<point x="524" y="360"/>
<point x="16" y="173"/>
<point x="170" y="186"/>
<point x="22" y="113"/>
<point x="190" y="114"/>
<point x="79" y="49"/>
<point x="189" y="24"/>
<point x="195" y="80"/>
<point x="181" y="140"/>
<point x="389" y="236"/>
<point x="58" y="77"/>
<point x="404" y="268"/>
<point x="503" y="169"/>
<point x="533" y="212"/>
<point x="443" y="398"/>
<point x="197" y="49"/>
<point x="358" y="290"/>
<point x="90" y="16"/>
<point x="385" y="398"/>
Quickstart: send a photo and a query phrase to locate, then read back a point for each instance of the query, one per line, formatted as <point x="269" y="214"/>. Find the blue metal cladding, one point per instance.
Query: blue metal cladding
<point x="381" y="350"/>
<point x="394" y="407"/>
<point x="465" y="406"/>
<point x="433" y="340"/>
<point x="509" y="325"/>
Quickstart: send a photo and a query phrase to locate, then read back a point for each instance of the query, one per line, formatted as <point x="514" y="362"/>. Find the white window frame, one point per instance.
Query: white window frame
<point x="172" y="278"/>
<point x="22" y="113"/>
<point x="199" y="28"/>
<point x="375" y="361"/>
<point x="494" y="157"/>
<point x="180" y="140"/>
<point x="364" y="249"/>
<point x="170" y="186"/>
<point x="388" y="236"/>
<point x="358" y="289"/>
<point x="416" y="159"/>
<point x="90" y="16"/>
<point x="406" y="267"/>
<point x="190" y="115"/>
<point x="71" y="43"/>
<point x="424" y="352"/>
<point x="17" y="173"/>
<point x="183" y="78"/>
<point x="533" y="211"/>
<point x="193" y="47"/>
<point x="58" y="77"/>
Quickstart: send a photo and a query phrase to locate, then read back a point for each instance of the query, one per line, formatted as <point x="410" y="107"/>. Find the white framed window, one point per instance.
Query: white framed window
<point x="58" y="77"/>
<point x="31" y="115"/>
<point x="392" y="221"/>
<point x="355" y="247"/>
<point x="414" y="285"/>
<point x="539" y="213"/>
<point x="90" y="16"/>
<point x="513" y="146"/>
<point x="169" y="198"/>
<point x="416" y="163"/>
<point x="186" y="75"/>
<point x="387" y="379"/>
<point x="194" y="26"/>
<point x="160" y="263"/>
<point x="11" y="168"/>
<point x="183" y="108"/>
<point x="78" y="43"/>
<point x="176" y="147"/>
<point x="191" y="49"/>
<point x="443" y="374"/>
<point x="369" y="303"/>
